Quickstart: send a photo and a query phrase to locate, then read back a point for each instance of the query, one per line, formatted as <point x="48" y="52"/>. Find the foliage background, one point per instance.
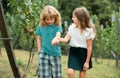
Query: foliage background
<point x="22" y="17"/>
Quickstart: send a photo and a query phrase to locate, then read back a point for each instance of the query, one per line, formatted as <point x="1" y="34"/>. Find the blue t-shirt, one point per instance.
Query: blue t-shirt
<point x="47" y="33"/>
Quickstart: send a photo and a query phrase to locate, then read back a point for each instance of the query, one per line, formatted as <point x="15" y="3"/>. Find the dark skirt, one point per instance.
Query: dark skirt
<point x="77" y="58"/>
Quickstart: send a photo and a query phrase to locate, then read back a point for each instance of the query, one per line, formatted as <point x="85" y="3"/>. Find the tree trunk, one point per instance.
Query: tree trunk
<point x="0" y="51"/>
<point x="17" y="41"/>
<point x="116" y="59"/>
<point x="95" y="52"/>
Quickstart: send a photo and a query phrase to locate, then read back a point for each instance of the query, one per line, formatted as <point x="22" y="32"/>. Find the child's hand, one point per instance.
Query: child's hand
<point x="55" y="41"/>
<point x="86" y="66"/>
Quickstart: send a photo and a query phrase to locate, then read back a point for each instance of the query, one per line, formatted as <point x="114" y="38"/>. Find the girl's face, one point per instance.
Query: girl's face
<point x="75" y="20"/>
<point x="49" y="21"/>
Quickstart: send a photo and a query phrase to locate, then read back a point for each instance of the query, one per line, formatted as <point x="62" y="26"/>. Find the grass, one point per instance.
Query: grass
<point x="104" y="68"/>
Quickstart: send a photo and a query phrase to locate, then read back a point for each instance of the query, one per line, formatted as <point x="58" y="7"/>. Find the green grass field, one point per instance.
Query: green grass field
<point x="104" y="68"/>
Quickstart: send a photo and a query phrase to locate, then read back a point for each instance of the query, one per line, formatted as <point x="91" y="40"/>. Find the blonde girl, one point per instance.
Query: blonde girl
<point x="49" y="56"/>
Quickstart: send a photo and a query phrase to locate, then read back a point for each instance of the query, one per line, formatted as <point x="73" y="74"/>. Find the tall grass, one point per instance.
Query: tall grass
<point x="104" y="68"/>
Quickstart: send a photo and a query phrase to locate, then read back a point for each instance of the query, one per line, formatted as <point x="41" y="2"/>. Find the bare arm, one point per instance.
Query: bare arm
<point x="58" y="39"/>
<point x="65" y="39"/>
<point x="89" y="52"/>
<point x="38" y="43"/>
<point x="58" y="34"/>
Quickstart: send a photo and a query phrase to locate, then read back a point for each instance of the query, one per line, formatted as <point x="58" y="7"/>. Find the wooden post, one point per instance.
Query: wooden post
<point x="0" y="51"/>
<point x="8" y="46"/>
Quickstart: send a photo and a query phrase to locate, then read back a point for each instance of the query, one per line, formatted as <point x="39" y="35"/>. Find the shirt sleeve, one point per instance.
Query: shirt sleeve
<point x="60" y="29"/>
<point x="90" y="34"/>
<point x="70" y="28"/>
<point x="37" y="32"/>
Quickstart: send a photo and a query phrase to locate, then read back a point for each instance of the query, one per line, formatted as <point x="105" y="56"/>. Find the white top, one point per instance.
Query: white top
<point x="79" y="39"/>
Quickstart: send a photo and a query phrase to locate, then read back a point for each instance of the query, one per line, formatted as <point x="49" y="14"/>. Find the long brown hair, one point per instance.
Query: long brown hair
<point x="83" y="16"/>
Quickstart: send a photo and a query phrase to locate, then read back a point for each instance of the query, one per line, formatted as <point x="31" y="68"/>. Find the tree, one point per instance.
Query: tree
<point x="22" y="18"/>
<point x="114" y="39"/>
<point x="102" y="8"/>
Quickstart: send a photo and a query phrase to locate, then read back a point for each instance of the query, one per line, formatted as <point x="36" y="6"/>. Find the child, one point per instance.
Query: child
<point x="49" y="57"/>
<point x="80" y="35"/>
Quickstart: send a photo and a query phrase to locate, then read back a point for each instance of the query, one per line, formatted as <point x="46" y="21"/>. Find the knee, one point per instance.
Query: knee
<point x="70" y="72"/>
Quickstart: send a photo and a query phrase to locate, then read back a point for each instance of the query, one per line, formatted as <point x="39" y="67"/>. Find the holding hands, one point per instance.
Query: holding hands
<point x="55" y="41"/>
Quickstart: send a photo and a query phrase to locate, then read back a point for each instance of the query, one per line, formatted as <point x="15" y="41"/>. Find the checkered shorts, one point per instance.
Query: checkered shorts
<point x="49" y="66"/>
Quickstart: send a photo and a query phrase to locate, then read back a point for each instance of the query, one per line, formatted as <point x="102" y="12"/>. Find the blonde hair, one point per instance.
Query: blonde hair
<point x="50" y="12"/>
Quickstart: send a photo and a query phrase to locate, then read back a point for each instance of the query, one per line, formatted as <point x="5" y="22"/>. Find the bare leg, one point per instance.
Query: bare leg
<point x="82" y="74"/>
<point x="70" y="73"/>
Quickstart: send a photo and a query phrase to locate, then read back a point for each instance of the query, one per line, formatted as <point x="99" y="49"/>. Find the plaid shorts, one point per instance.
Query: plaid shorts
<point x="49" y="66"/>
